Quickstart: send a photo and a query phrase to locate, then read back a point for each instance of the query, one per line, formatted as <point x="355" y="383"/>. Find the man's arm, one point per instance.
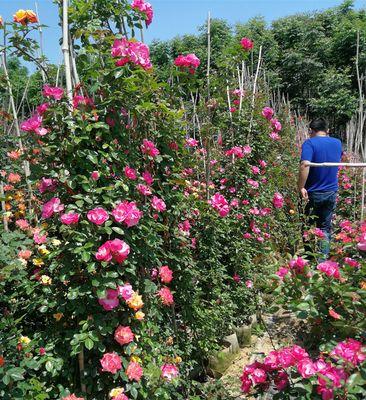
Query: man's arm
<point x="303" y="176"/>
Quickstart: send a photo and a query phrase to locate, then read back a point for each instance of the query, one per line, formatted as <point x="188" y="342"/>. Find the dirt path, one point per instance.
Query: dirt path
<point x="279" y="326"/>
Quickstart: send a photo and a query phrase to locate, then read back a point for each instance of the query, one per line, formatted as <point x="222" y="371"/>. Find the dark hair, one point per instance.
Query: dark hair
<point x="319" y="124"/>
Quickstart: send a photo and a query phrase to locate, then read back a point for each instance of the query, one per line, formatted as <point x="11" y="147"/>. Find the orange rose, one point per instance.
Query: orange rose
<point x="25" y="17"/>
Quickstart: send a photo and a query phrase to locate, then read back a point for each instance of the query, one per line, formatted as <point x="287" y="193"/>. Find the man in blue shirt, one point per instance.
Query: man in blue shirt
<point x="319" y="185"/>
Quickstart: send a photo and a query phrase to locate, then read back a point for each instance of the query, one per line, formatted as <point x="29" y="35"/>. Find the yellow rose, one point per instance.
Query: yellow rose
<point x="178" y="360"/>
<point x="58" y="316"/>
<point x="55" y="242"/>
<point x="136" y="359"/>
<point x="135" y="301"/>
<point x="46" y="280"/>
<point x="24" y="340"/>
<point x="139" y="315"/>
<point x="43" y="250"/>
<point x="292" y="212"/>
<point x="116" y="392"/>
<point x="37" y="261"/>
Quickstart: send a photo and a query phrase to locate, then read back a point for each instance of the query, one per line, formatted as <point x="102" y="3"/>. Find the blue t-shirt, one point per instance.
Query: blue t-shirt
<point x="321" y="149"/>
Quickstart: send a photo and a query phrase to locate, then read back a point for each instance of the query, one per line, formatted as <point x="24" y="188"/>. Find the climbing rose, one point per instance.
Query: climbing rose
<point x="143" y="189"/>
<point x="267" y="113"/>
<point x="146" y="176"/>
<point x="52" y="206"/>
<point x="350" y="350"/>
<point x="42" y="108"/>
<point x="25" y="17"/>
<point x="306" y="368"/>
<point x="47" y="184"/>
<point x="115" y="249"/>
<point x="274" y="136"/>
<point x="277" y="200"/>
<point x="148" y="147"/>
<point x="134" y="371"/>
<point x="130" y="173"/>
<point x="131" y="52"/>
<point x="190" y="142"/>
<point x="169" y="371"/>
<point x="166" y="274"/>
<point x="246" y="44"/>
<point x="276" y="125"/>
<point x="145" y="8"/>
<point x="158" y="204"/>
<point x="220" y="204"/>
<point x="330" y="268"/>
<point x="70" y="218"/>
<point x="53" y="91"/>
<point x="190" y="61"/>
<point x="94" y="175"/>
<point x="97" y="216"/>
<point x="123" y="335"/>
<point x="33" y="124"/>
<point x="111" y="362"/>
<point x="82" y="102"/>
<point x="166" y="296"/>
<point x="72" y="397"/>
<point x="110" y="301"/>
<point x="125" y="291"/>
<point x="128" y="213"/>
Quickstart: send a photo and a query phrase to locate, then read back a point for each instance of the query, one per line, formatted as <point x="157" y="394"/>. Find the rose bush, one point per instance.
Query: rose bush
<point x="150" y="239"/>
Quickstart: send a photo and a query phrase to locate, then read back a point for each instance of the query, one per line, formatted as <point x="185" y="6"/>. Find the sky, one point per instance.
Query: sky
<point x="175" y="17"/>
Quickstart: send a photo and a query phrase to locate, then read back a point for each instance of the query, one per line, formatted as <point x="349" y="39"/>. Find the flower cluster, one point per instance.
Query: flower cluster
<point x="190" y="62"/>
<point x="145" y="8"/>
<point x="276" y="368"/>
<point x="132" y="52"/>
<point x="25" y="17"/>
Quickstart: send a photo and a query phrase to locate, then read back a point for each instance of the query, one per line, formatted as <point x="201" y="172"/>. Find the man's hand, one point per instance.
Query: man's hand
<point x="304" y="194"/>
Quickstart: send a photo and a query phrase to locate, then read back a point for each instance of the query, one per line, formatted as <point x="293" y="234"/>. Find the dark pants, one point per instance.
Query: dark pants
<point x="320" y="209"/>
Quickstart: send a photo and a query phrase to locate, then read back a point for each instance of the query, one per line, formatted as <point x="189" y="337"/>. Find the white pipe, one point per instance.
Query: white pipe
<point x="333" y="164"/>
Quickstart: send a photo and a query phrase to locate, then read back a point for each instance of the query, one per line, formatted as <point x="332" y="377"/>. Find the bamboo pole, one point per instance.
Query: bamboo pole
<point x="44" y="79"/>
<point x="208" y="54"/>
<point x="255" y="86"/>
<point x="5" y="219"/>
<point x="66" y="48"/>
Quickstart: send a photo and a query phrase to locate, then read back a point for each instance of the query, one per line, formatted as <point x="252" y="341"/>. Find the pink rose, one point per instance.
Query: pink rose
<point x="220" y="204"/>
<point x="166" y="274"/>
<point x="277" y="200"/>
<point x="166" y="296"/>
<point x="97" y="216"/>
<point x="123" y="335"/>
<point x="148" y="147"/>
<point x="51" y="207"/>
<point x="110" y="301"/>
<point x="143" y="189"/>
<point x="54" y="92"/>
<point x="95" y="175"/>
<point x="128" y="213"/>
<point x="306" y="368"/>
<point x="246" y="44"/>
<point x="330" y="268"/>
<point x="125" y="291"/>
<point x="134" y="371"/>
<point x="158" y="204"/>
<point x="267" y="113"/>
<point x="169" y="371"/>
<point x="146" y="176"/>
<point x="111" y="362"/>
<point x="130" y="173"/>
<point x="70" y="218"/>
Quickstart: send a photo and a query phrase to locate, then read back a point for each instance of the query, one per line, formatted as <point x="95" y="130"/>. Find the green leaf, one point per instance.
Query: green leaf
<point x="89" y="344"/>
<point x="118" y="230"/>
<point x="16" y="374"/>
